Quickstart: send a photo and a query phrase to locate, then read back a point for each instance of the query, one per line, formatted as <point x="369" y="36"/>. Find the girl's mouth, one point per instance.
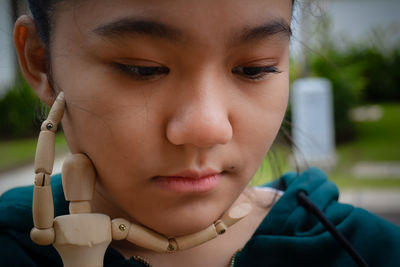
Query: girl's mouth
<point x="189" y="181"/>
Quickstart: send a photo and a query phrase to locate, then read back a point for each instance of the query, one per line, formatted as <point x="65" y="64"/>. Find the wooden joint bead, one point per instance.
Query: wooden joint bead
<point x="42" y="179"/>
<point x="120" y="228"/>
<point x="173" y="245"/>
<point x="43" y="237"/>
<point x="220" y="227"/>
<point x="42" y="207"/>
<point x="49" y="125"/>
<point x="76" y="207"/>
<point x="44" y="158"/>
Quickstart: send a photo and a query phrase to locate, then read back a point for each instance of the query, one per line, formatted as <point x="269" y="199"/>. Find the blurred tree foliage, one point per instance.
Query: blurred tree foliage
<point x="347" y="83"/>
<point x="381" y="73"/>
<point x="19" y="112"/>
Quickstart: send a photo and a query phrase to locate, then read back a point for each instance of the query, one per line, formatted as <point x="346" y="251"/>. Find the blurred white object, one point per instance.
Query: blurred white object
<point x="7" y="62"/>
<point x="381" y="169"/>
<point x="374" y="200"/>
<point x="313" y="125"/>
<point x="367" y="113"/>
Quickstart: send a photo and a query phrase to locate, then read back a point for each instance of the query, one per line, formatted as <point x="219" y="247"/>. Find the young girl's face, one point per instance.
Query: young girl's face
<point x="175" y="102"/>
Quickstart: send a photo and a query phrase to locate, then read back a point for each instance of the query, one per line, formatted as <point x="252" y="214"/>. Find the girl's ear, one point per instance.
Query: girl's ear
<point x="32" y="58"/>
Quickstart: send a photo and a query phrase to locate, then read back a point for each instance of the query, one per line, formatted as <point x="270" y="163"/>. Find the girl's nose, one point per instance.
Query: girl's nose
<point x="200" y="120"/>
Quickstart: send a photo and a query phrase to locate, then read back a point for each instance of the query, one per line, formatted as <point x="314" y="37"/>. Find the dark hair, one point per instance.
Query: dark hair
<point x="42" y="11"/>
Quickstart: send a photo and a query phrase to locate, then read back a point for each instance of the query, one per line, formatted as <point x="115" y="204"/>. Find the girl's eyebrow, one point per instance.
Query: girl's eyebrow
<point x="131" y="27"/>
<point x="128" y="26"/>
<point x="273" y="27"/>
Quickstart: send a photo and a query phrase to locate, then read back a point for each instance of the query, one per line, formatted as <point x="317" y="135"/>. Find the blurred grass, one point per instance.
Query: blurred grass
<point x="376" y="141"/>
<point x="15" y="153"/>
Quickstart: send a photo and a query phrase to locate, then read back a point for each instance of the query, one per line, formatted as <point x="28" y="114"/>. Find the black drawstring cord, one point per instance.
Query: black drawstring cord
<point x="309" y="206"/>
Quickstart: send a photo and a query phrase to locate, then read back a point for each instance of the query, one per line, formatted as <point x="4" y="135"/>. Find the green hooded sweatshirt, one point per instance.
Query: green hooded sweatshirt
<point x="288" y="236"/>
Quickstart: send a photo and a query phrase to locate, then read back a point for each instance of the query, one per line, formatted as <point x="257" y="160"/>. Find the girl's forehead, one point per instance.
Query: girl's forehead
<point x="191" y="17"/>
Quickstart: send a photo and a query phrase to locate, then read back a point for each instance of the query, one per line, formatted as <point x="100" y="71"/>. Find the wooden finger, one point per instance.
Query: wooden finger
<point x="57" y="109"/>
<point x="189" y="241"/>
<point x="236" y="213"/>
<point x="44" y="157"/>
<point x="42" y="207"/>
<point x="146" y="238"/>
<point x="78" y="178"/>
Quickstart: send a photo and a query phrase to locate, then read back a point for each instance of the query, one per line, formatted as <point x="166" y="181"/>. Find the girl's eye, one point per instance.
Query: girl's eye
<point x="142" y="72"/>
<point x="255" y="73"/>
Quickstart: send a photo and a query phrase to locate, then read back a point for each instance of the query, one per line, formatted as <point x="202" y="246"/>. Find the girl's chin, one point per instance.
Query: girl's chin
<point x="180" y="223"/>
<point x="183" y="227"/>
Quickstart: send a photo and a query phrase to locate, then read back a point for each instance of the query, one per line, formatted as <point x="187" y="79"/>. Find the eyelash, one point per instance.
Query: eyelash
<point x="142" y="72"/>
<point x="253" y="73"/>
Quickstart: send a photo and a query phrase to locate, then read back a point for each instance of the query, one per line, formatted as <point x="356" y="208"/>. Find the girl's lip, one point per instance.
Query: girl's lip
<point x="193" y="174"/>
<point x="189" y="181"/>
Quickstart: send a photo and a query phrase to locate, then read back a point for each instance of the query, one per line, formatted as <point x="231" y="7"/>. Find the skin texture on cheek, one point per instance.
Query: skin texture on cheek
<point x="134" y="131"/>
